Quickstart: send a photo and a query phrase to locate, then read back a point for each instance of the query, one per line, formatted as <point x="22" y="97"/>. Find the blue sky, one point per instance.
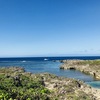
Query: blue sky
<point x="49" y="27"/>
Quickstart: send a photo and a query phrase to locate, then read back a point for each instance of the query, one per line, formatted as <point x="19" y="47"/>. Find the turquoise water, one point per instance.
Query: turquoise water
<point x="95" y="84"/>
<point x="41" y="66"/>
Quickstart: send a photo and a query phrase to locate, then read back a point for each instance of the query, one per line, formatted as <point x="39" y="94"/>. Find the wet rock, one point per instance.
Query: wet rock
<point x="61" y="67"/>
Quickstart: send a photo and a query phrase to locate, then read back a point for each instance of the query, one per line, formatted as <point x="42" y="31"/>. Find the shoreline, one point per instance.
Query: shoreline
<point x="53" y="87"/>
<point x="91" y="67"/>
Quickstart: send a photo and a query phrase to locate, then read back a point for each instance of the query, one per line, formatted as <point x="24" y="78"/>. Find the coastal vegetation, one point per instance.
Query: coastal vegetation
<point x="16" y="84"/>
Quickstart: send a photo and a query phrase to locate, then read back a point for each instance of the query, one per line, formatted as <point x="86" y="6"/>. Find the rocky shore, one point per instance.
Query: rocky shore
<point x="91" y="67"/>
<point x="16" y="84"/>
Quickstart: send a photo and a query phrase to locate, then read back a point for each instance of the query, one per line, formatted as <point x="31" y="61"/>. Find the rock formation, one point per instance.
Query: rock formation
<point x="16" y="84"/>
<point x="91" y="67"/>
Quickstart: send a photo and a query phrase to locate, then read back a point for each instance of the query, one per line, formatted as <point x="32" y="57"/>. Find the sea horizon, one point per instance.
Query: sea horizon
<point x="51" y="56"/>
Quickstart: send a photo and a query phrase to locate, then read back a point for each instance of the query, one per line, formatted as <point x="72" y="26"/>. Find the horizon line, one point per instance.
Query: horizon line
<point x="52" y="56"/>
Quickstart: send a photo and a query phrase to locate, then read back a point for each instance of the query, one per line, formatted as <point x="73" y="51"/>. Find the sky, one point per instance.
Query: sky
<point x="49" y="28"/>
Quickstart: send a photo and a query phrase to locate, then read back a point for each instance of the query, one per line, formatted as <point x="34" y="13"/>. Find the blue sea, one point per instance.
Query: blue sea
<point x="47" y="64"/>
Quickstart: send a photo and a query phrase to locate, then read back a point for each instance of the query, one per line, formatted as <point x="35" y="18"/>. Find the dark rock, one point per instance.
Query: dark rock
<point x="17" y="81"/>
<point x="72" y="68"/>
<point x="61" y="67"/>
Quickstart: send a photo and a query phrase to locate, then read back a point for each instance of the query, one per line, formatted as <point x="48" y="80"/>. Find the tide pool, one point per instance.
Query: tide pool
<point x="41" y="66"/>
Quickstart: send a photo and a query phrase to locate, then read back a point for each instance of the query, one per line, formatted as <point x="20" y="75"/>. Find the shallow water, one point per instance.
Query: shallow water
<point x="95" y="84"/>
<point x="40" y="66"/>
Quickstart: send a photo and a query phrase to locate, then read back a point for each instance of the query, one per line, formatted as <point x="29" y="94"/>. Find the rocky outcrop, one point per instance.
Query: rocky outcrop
<point x="91" y="67"/>
<point x="43" y="86"/>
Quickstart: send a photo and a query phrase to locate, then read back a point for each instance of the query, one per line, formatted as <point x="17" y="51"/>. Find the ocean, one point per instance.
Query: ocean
<point x="48" y="64"/>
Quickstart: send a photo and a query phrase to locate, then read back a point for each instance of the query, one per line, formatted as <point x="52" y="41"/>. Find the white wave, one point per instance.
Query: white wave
<point x="23" y="61"/>
<point x="45" y="59"/>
